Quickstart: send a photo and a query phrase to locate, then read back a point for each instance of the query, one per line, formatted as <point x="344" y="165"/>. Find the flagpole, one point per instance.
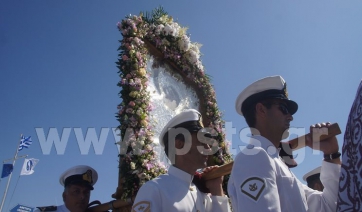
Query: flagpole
<point x="7" y="185"/>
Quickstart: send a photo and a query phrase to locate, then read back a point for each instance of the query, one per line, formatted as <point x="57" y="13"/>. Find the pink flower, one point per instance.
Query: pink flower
<point x="131" y="103"/>
<point x="129" y="110"/>
<point x="149" y="166"/>
<point x="142" y="132"/>
<point x="124" y="57"/>
<point x="149" y="108"/>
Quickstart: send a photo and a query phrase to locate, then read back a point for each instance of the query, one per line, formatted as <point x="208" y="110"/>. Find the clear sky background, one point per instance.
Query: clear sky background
<point x="57" y="70"/>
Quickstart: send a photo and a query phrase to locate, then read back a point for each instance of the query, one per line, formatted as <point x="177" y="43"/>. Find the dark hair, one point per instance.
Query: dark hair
<point x="312" y="180"/>
<point x="249" y="115"/>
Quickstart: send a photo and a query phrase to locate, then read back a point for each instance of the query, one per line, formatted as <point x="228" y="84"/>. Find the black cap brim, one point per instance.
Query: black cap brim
<point x="270" y="94"/>
<point x="292" y="105"/>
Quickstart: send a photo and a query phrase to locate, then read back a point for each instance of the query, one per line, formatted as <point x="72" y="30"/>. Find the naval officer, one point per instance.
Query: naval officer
<point x="260" y="180"/>
<point x="313" y="179"/>
<point x="78" y="182"/>
<point x="182" y="138"/>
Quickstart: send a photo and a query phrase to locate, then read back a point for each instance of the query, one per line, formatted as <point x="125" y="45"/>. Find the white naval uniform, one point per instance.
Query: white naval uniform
<point x="175" y="191"/>
<point x="60" y="208"/>
<point x="262" y="182"/>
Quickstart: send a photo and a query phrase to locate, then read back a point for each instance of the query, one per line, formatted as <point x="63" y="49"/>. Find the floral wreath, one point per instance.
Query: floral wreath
<point x="159" y="34"/>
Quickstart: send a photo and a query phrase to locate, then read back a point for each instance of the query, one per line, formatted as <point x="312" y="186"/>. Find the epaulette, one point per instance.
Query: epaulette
<point x="48" y="208"/>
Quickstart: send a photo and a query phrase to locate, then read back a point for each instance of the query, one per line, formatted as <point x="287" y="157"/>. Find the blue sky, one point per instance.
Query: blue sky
<point x="57" y="70"/>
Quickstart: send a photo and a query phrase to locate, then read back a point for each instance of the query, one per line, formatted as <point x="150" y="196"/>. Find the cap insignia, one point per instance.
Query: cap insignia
<point x="285" y="90"/>
<point x="200" y="121"/>
<point x="87" y="176"/>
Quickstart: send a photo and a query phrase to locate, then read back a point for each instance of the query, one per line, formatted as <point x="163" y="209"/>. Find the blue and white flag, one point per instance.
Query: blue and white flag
<point x="28" y="166"/>
<point x="7" y="169"/>
<point x="25" y="142"/>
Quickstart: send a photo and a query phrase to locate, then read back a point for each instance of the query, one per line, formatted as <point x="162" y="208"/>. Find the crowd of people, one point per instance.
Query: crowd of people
<point x="260" y="180"/>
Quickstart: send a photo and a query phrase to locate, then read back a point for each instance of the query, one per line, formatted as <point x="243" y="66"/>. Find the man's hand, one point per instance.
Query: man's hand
<point x="327" y="146"/>
<point x="214" y="185"/>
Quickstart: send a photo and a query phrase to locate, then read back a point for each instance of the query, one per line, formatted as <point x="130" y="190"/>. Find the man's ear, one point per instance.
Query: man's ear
<point x="179" y="144"/>
<point x="64" y="196"/>
<point x="260" y="109"/>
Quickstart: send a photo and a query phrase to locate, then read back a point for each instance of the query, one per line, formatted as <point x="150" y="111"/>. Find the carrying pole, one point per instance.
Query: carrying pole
<point x="7" y="185"/>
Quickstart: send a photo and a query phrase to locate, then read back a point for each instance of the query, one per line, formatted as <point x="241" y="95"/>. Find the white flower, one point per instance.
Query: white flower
<point x="159" y="29"/>
<point x="140" y="142"/>
<point x="200" y="66"/>
<point x="172" y="29"/>
<point x="133" y="165"/>
<point x="137" y="41"/>
<point x="176" y="29"/>
<point x="184" y="43"/>
<point x="164" y="19"/>
<point x="196" y="47"/>
<point x="168" y="29"/>
<point x="139" y="111"/>
<point x="192" y="56"/>
<point x="148" y="147"/>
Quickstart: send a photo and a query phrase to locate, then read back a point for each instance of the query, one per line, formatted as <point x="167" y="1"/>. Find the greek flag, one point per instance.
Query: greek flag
<point x="24" y="142"/>
<point x="28" y="166"/>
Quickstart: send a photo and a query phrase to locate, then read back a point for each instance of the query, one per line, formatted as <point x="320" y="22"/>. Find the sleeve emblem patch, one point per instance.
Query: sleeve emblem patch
<point x="253" y="187"/>
<point x="143" y="206"/>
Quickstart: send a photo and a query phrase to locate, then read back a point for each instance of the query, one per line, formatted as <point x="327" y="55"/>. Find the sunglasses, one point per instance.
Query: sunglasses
<point x="283" y="108"/>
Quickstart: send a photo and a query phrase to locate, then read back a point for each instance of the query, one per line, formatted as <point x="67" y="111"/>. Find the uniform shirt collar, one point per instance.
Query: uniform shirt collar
<point x="268" y="146"/>
<point x="178" y="173"/>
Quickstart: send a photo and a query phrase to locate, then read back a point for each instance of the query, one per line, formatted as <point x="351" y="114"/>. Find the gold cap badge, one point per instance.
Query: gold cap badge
<point x="200" y="121"/>
<point x="285" y="90"/>
<point x="87" y="176"/>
